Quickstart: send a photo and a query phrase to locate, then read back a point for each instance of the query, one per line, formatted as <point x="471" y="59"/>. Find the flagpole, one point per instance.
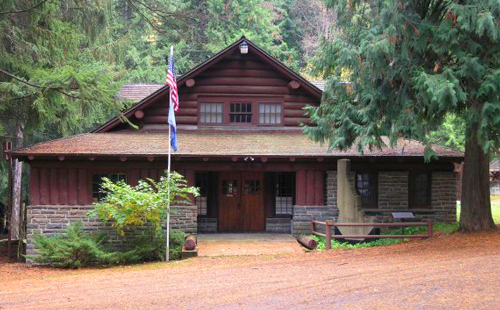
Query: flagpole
<point x="167" y="254"/>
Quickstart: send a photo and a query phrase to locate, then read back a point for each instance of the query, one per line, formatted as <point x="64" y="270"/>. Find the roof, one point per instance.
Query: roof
<point x="137" y="92"/>
<point x="254" y="49"/>
<point x="205" y="143"/>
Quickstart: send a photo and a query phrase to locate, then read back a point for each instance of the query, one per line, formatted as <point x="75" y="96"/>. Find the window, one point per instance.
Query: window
<point x="285" y="183"/>
<point x="229" y="188"/>
<point x="252" y="187"/>
<point x="211" y="113"/>
<point x="97" y="193"/>
<point x="240" y="113"/>
<point x="419" y="189"/>
<point x="270" y="113"/>
<point x="367" y="188"/>
<point x="201" y="181"/>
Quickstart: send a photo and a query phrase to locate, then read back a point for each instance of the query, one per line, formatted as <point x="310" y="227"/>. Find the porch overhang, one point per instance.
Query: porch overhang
<point x="235" y="145"/>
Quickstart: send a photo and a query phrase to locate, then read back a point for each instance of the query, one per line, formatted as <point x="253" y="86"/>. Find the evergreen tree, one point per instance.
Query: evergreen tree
<point x="53" y="72"/>
<point x="409" y="65"/>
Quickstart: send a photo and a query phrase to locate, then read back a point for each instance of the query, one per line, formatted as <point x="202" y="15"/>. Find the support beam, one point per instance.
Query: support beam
<point x="151" y="158"/>
<point x="190" y="83"/>
<point x="123" y="158"/>
<point x="61" y="158"/>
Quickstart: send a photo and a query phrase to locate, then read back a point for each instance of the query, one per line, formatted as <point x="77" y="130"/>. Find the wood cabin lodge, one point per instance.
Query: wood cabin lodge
<point x="240" y="142"/>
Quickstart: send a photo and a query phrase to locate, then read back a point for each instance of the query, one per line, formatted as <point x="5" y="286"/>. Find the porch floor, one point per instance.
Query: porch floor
<point x="233" y="244"/>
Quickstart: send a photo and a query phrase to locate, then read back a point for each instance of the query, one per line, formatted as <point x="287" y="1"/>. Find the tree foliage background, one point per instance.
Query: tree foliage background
<point x="416" y="69"/>
<point x="62" y="61"/>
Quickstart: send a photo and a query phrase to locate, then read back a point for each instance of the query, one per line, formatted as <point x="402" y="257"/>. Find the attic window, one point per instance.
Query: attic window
<point x="240" y="112"/>
<point x="270" y="113"/>
<point x="211" y="113"/>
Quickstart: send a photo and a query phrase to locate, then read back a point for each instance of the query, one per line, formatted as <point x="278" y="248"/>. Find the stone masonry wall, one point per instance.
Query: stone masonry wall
<point x="278" y="225"/>
<point x="393" y="190"/>
<point x="302" y="217"/>
<point x="301" y="223"/>
<point x="207" y="225"/>
<point x="185" y="218"/>
<point x="392" y="196"/>
<point x="54" y="219"/>
<point x="444" y="196"/>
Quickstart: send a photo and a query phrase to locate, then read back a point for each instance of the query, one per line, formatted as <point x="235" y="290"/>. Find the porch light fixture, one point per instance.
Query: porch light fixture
<point x="249" y="158"/>
<point x="244" y="47"/>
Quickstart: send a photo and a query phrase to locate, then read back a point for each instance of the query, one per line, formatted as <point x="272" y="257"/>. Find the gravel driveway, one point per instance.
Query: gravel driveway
<point x="446" y="272"/>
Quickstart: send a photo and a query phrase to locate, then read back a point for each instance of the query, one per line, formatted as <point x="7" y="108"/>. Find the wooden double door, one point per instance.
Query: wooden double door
<point x="241" y="202"/>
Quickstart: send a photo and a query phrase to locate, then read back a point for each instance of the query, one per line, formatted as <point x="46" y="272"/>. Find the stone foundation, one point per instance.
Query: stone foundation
<point x="301" y="223"/>
<point x="55" y="219"/>
<point x="279" y="225"/>
<point x="185" y="218"/>
<point x="207" y="225"/>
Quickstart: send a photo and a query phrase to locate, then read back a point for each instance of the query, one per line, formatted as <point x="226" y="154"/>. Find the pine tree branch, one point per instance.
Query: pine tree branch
<point x="25" y="10"/>
<point x="57" y="89"/>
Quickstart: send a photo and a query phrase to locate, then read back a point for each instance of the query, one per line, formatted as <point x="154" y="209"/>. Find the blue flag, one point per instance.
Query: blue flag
<point x="173" y="127"/>
<point x="174" y="100"/>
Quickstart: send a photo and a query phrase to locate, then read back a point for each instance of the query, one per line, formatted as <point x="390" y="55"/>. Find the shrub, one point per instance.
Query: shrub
<point x="77" y="248"/>
<point x="126" y="206"/>
<point x="74" y="249"/>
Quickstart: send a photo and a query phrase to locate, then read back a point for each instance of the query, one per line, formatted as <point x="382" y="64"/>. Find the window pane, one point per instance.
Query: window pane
<point x="211" y="113"/>
<point x="284" y="185"/>
<point x="419" y="189"/>
<point x="240" y="113"/>
<point x="367" y="188"/>
<point x="270" y="112"/>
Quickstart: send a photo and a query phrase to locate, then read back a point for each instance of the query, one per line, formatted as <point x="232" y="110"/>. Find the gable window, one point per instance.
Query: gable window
<point x="367" y="188"/>
<point x="419" y="189"/>
<point x="270" y="113"/>
<point x="240" y="112"/>
<point x="211" y="112"/>
<point x="285" y="183"/>
<point x="97" y="181"/>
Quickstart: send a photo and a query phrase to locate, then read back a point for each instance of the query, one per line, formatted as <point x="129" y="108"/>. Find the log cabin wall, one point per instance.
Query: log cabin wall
<point x="235" y="77"/>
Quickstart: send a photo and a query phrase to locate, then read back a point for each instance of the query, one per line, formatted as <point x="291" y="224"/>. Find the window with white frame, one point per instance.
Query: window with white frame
<point x="201" y="181"/>
<point x="270" y="113"/>
<point x="211" y="112"/>
<point x="285" y="185"/>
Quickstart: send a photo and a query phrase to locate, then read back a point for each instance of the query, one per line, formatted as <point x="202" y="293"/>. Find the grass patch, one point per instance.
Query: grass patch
<point x="495" y="208"/>
<point x="443" y="228"/>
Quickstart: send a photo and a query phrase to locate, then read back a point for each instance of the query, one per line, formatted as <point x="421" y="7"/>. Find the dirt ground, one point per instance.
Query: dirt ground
<point x="446" y="272"/>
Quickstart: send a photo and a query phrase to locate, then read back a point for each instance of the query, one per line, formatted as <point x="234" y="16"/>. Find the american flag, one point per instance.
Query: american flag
<point x="172" y="82"/>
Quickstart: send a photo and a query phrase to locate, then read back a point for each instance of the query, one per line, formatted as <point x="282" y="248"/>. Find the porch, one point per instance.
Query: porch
<point x="238" y="244"/>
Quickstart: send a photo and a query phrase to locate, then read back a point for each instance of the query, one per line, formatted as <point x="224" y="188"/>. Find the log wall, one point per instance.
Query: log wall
<point x="237" y="77"/>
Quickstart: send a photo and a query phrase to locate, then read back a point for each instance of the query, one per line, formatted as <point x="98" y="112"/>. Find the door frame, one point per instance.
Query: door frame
<point x="240" y="201"/>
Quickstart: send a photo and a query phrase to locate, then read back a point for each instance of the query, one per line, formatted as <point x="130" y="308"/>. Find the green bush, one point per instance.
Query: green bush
<point x="77" y="248"/>
<point x="74" y="249"/>
<point x="150" y="245"/>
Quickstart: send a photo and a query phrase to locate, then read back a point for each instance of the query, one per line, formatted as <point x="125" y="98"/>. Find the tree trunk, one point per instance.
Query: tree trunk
<point x="16" y="187"/>
<point x="476" y="206"/>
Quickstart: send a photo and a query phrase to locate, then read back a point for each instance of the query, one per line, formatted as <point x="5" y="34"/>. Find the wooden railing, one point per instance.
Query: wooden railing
<point x="329" y="224"/>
